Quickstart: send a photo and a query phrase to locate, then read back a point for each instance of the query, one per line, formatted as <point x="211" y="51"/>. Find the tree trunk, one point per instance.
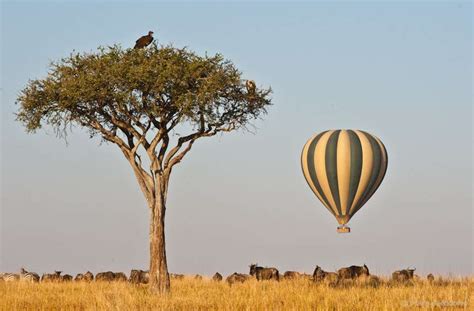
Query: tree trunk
<point x="159" y="277"/>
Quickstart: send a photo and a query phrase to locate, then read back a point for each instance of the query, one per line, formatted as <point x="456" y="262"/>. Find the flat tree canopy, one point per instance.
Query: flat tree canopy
<point x="137" y="99"/>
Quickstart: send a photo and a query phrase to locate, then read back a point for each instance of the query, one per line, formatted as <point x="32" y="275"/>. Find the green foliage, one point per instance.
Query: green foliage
<point x="134" y="90"/>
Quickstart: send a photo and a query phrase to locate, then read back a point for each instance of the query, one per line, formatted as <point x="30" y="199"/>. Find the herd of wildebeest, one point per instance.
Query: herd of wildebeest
<point x="359" y="274"/>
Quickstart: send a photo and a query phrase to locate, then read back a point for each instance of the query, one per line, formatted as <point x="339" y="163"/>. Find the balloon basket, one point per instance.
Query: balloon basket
<point x="343" y="229"/>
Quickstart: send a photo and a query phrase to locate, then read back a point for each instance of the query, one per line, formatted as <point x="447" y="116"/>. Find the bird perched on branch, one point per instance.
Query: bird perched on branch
<point x="144" y="41"/>
<point x="250" y="85"/>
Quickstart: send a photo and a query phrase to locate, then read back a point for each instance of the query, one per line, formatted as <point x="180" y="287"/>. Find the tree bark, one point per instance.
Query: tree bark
<point x="159" y="277"/>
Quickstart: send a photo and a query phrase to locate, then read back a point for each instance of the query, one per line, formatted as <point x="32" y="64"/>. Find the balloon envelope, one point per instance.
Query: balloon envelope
<point x="344" y="168"/>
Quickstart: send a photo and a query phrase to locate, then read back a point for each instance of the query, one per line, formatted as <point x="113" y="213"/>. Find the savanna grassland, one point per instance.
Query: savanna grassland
<point x="191" y="294"/>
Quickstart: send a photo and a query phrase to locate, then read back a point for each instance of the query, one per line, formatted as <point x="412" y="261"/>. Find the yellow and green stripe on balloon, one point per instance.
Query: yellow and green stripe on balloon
<point x="344" y="168"/>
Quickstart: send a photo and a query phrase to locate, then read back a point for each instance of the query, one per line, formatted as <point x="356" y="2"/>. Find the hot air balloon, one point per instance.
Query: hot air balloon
<point x="344" y="168"/>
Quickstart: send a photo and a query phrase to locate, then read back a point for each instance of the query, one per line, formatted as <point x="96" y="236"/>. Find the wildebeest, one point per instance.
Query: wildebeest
<point x="217" y="277"/>
<point x="28" y="276"/>
<point x="146" y="277"/>
<point x="198" y="277"/>
<point x="88" y="276"/>
<point x="66" y="278"/>
<point x="403" y="275"/>
<point x="262" y="273"/>
<point x="320" y="275"/>
<point x="289" y="275"/>
<point x="430" y="278"/>
<point x="51" y="277"/>
<point x="139" y="277"/>
<point x="120" y="276"/>
<point x="237" y="278"/>
<point x="144" y="41"/>
<point x="135" y="276"/>
<point x="108" y="276"/>
<point x="353" y="272"/>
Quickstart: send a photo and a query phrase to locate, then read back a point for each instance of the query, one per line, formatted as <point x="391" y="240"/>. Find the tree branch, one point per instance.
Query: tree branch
<point x="110" y="136"/>
<point x="173" y="159"/>
<point x="145" y="181"/>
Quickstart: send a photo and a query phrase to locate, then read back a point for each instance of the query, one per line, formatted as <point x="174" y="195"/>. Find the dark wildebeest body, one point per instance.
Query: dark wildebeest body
<point x="403" y="275"/>
<point x="120" y="276"/>
<point x="353" y="272"/>
<point x="66" y="278"/>
<point x="217" y="277"/>
<point x="108" y="276"/>
<point x="198" y="277"/>
<point x="79" y="277"/>
<point x="237" y="278"/>
<point x="321" y="275"/>
<point x="139" y="277"/>
<point x="51" y="277"/>
<point x="262" y="273"/>
<point x="111" y="276"/>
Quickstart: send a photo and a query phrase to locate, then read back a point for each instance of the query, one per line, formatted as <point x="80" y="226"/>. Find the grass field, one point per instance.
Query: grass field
<point x="190" y="294"/>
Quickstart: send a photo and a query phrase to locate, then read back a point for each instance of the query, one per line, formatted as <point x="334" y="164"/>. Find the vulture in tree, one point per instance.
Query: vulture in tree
<point x="144" y="41"/>
<point x="250" y="84"/>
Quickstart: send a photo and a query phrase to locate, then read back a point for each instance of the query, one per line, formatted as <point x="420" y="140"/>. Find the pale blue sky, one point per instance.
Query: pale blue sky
<point x="402" y="71"/>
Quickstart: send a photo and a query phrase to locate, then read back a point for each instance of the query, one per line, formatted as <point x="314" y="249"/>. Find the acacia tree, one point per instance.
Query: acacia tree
<point x="137" y="100"/>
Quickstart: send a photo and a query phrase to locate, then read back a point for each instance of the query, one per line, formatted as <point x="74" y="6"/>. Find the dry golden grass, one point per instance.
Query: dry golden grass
<point x="190" y="294"/>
